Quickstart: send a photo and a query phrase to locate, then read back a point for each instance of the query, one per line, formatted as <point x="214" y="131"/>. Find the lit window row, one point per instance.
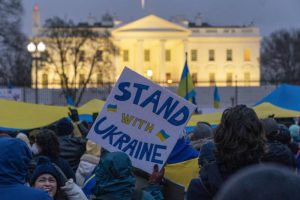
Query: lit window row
<point x="212" y="57"/>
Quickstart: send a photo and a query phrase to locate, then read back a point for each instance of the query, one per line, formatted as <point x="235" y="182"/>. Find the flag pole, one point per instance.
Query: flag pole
<point x="186" y="79"/>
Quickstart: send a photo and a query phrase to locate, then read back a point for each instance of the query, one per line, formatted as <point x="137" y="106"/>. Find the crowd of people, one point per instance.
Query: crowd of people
<point x="243" y="157"/>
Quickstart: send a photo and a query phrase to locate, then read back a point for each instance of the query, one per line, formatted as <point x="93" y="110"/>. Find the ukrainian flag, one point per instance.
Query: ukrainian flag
<point x="216" y="98"/>
<point x="186" y="87"/>
<point x="112" y="108"/>
<point x="162" y="135"/>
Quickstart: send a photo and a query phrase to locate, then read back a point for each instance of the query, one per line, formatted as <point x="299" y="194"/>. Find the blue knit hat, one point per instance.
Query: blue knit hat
<point x="44" y="166"/>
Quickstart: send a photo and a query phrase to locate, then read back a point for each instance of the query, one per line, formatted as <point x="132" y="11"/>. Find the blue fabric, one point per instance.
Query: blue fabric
<point x="14" y="162"/>
<point x="182" y="151"/>
<point x="285" y="96"/>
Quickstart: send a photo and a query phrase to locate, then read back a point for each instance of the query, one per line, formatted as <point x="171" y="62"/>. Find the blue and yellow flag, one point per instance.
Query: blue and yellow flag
<point x="186" y="87"/>
<point x="70" y="101"/>
<point x="216" y="98"/>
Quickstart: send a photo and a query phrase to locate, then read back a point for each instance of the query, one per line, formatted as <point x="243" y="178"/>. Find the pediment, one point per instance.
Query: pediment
<point x="151" y="23"/>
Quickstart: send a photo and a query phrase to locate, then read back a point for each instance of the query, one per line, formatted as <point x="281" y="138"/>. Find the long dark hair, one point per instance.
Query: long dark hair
<point x="239" y="138"/>
<point x="48" y="143"/>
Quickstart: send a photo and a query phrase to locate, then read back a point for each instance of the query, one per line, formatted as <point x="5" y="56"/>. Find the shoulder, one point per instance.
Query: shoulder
<point x="197" y="190"/>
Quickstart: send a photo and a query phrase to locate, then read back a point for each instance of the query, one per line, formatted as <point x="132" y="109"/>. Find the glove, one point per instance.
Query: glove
<point x="156" y="176"/>
<point x="73" y="114"/>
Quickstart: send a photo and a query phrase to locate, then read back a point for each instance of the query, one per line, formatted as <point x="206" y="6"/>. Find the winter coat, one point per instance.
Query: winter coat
<point x="86" y="167"/>
<point x="15" y="157"/>
<point x="73" y="191"/>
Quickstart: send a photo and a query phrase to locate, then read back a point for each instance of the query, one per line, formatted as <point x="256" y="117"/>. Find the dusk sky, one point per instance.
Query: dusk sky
<point x="268" y="15"/>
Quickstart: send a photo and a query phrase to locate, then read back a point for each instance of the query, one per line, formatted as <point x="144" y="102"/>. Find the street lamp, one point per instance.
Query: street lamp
<point x="149" y="73"/>
<point x="36" y="51"/>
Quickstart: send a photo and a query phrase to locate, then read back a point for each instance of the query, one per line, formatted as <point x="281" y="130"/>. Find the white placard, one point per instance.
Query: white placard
<point x="141" y="119"/>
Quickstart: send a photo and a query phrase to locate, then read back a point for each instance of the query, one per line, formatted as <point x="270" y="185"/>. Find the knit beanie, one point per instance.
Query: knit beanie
<point x="202" y="130"/>
<point x="44" y="166"/>
<point x="64" y="127"/>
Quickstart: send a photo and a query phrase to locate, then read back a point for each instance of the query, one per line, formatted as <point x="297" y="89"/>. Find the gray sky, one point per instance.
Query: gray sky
<point x="268" y="15"/>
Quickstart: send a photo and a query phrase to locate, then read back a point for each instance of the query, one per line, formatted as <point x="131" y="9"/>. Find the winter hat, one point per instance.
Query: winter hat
<point x="283" y="135"/>
<point x="294" y="130"/>
<point x="270" y="126"/>
<point x="202" y="130"/>
<point x="64" y="127"/>
<point x="44" y="166"/>
<point x="261" y="182"/>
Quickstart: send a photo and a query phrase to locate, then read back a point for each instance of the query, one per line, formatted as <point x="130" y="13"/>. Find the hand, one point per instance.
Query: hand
<point x="73" y="114"/>
<point x="156" y="176"/>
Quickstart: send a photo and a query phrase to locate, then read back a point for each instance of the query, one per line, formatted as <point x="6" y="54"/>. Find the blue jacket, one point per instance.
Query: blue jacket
<point x="14" y="160"/>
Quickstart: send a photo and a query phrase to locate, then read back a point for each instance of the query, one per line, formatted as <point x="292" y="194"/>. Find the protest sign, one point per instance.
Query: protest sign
<point x="141" y="119"/>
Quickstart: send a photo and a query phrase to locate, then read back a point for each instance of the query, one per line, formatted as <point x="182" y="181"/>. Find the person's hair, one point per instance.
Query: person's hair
<point x="239" y="138"/>
<point x="48" y="143"/>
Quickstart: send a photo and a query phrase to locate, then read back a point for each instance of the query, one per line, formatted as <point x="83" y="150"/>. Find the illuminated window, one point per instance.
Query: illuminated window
<point x="126" y="55"/>
<point x="247" y="54"/>
<point x="194" y="56"/>
<point x="211" y="55"/>
<point x="247" y="78"/>
<point x="194" y="78"/>
<point x="99" y="55"/>
<point x="212" y="80"/>
<point x="146" y="55"/>
<point x="229" y="79"/>
<point x="45" y="80"/>
<point x="229" y="54"/>
<point x="81" y="56"/>
<point x="168" y="55"/>
<point x="81" y="79"/>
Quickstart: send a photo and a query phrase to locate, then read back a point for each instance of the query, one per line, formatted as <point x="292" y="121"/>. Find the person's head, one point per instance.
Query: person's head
<point x="64" y="127"/>
<point x="47" y="143"/>
<point x="201" y="131"/>
<point x="261" y="182"/>
<point x="15" y="157"/>
<point x="271" y="128"/>
<point x="239" y="138"/>
<point x="45" y="177"/>
<point x="283" y="135"/>
<point x="294" y="130"/>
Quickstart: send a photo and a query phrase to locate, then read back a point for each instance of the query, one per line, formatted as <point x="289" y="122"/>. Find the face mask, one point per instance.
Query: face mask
<point x="35" y="149"/>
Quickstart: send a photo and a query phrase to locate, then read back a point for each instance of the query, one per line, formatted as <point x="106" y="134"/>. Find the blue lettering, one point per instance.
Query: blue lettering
<point x="97" y="129"/>
<point x="184" y="111"/>
<point x="138" y="150"/>
<point x="140" y="88"/>
<point x="123" y="139"/>
<point x="111" y="134"/>
<point x="157" y="154"/>
<point x="131" y="147"/>
<point x="146" y="151"/>
<point x="154" y="98"/>
<point x="168" y="107"/>
<point x="125" y="93"/>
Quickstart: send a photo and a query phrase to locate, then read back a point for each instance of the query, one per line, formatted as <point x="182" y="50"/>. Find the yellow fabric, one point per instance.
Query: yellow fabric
<point x="93" y="106"/>
<point x="182" y="173"/>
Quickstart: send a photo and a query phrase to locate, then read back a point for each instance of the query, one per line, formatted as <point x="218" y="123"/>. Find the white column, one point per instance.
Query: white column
<point x="139" y="58"/>
<point x="162" y="67"/>
<point x="117" y="63"/>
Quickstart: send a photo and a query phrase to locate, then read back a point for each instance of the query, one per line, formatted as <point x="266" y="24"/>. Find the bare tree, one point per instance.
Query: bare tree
<point x="14" y="58"/>
<point x="280" y="56"/>
<point x="72" y="49"/>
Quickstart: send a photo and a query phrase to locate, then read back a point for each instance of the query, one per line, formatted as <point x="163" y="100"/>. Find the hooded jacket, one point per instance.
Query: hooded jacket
<point x="14" y="161"/>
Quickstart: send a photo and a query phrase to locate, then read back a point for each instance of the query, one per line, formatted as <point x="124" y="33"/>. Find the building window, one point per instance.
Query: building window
<point x="229" y="54"/>
<point x="247" y="54"/>
<point x="44" y="56"/>
<point x="81" y="79"/>
<point x="99" y="79"/>
<point x="212" y="79"/>
<point x="81" y="56"/>
<point x="125" y="55"/>
<point x="211" y="55"/>
<point x="99" y="55"/>
<point x="168" y="55"/>
<point x="194" y="78"/>
<point x="194" y="56"/>
<point x="169" y="78"/>
<point x="229" y="79"/>
<point x="247" y="78"/>
<point x="146" y="55"/>
<point x="44" y="80"/>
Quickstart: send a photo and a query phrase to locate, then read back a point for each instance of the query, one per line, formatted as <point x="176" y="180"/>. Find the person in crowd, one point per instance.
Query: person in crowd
<point x="15" y="157"/>
<point x="115" y="179"/>
<point x="48" y="145"/>
<point x="239" y="142"/>
<point x="294" y="130"/>
<point x="276" y="151"/>
<point x="285" y="137"/>
<point x="49" y="177"/>
<point x="200" y="135"/>
<point x="88" y="162"/>
<point x="261" y="182"/>
<point x="23" y="136"/>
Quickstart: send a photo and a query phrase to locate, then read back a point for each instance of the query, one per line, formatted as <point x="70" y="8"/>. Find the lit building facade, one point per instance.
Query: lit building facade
<point x="155" y="48"/>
